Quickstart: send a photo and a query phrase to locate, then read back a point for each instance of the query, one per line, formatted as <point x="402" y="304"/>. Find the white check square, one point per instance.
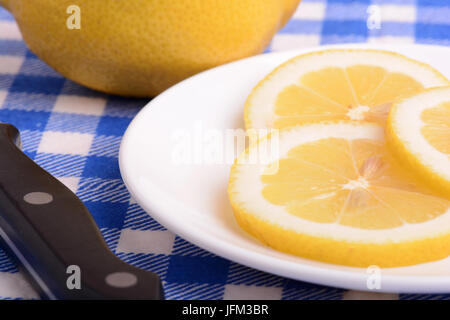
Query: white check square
<point x="10" y="64"/>
<point x="3" y="94"/>
<point x="146" y="241"/>
<point x="291" y="41"/>
<point x="9" y="31"/>
<point x="70" y="182"/>
<point x="397" y="13"/>
<point x="66" y="143"/>
<point x="13" y="285"/>
<point x="242" y="292"/>
<point x="391" y="39"/>
<point x="310" y="11"/>
<point x="80" y="105"/>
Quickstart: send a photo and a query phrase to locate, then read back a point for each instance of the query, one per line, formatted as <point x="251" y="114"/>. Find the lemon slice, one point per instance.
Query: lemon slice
<point x="340" y="84"/>
<point x="337" y="195"/>
<point x="418" y="132"/>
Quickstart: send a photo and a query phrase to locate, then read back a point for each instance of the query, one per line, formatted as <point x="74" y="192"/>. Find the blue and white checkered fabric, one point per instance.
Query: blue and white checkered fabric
<point x="74" y="133"/>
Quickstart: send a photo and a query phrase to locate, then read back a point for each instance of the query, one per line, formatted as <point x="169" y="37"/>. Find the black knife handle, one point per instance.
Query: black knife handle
<point x="53" y="236"/>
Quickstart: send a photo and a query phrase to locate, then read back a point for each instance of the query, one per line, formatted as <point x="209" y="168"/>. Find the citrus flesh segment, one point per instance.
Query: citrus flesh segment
<point x="339" y="196"/>
<point x="418" y="133"/>
<point x="337" y="84"/>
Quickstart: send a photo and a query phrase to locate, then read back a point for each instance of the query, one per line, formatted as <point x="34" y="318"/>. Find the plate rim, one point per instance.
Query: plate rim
<point x="343" y="279"/>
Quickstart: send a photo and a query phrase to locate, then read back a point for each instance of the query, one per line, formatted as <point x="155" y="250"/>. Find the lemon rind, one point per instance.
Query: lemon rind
<point x="410" y="146"/>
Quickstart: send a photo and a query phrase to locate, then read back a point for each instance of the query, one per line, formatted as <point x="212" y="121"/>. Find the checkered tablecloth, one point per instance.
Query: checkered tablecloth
<point x="75" y="133"/>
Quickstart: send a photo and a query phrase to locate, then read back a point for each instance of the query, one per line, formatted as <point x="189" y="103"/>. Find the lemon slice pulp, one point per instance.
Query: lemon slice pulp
<point x="339" y="84"/>
<point x="339" y="196"/>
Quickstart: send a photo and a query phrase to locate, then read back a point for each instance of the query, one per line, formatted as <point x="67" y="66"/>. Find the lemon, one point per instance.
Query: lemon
<point x="338" y="196"/>
<point x="336" y="84"/>
<point x="418" y="132"/>
<point x="141" y="47"/>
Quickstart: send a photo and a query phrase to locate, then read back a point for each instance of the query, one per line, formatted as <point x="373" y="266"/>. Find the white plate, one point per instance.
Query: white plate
<point x="191" y="199"/>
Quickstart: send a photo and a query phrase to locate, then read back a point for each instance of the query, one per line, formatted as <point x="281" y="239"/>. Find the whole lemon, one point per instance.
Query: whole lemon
<point x="141" y="47"/>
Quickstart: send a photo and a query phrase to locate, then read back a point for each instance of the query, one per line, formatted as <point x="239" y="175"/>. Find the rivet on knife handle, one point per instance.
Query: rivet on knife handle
<point x="48" y="229"/>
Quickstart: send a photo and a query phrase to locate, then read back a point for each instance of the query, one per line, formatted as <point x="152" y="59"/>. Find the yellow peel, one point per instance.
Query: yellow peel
<point x="340" y="197"/>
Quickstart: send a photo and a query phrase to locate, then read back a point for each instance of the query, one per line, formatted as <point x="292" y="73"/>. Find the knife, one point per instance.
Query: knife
<point x="53" y="237"/>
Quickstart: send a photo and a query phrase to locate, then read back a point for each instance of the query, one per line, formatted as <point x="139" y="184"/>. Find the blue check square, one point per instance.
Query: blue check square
<point x="11" y="47"/>
<point x="113" y="125"/>
<point x="107" y="214"/>
<point x="433" y="31"/>
<point x="25" y="120"/>
<point x="357" y="28"/>
<point x="197" y="269"/>
<point x="37" y="84"/>
<point x="433" y="3"/>
<point x="102" y="167"/>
